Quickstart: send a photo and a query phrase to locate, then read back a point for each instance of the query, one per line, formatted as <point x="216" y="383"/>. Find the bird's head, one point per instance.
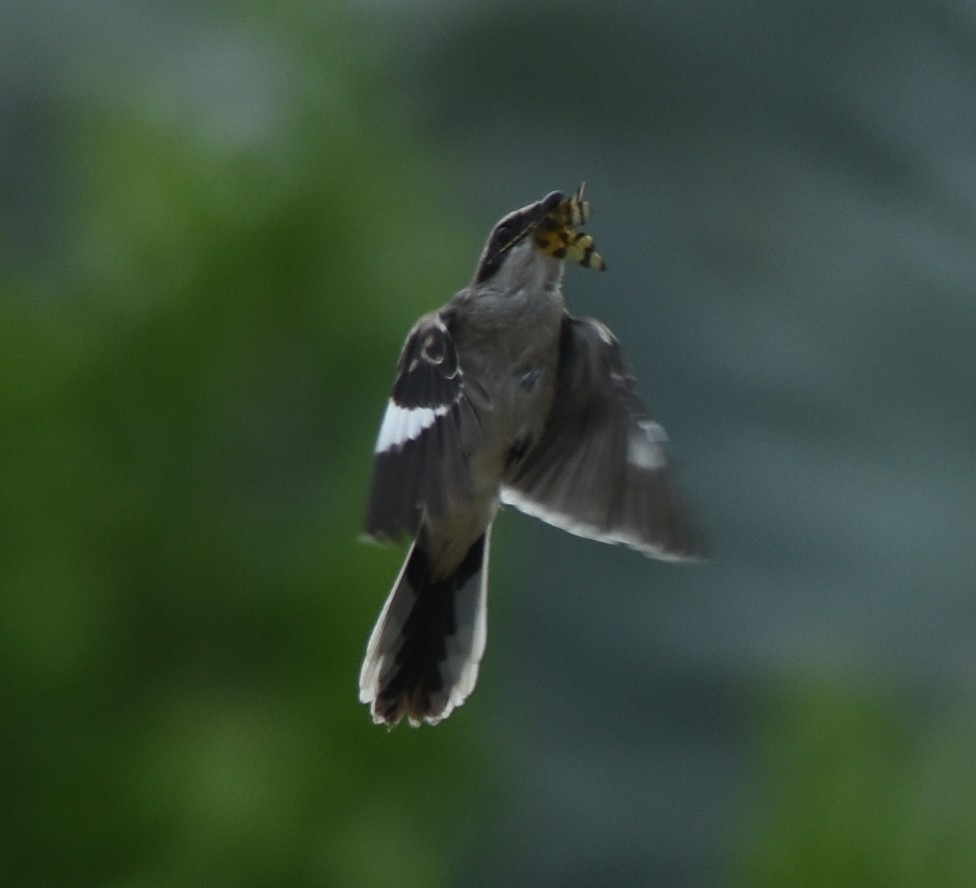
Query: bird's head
<point x="535" y="239"/>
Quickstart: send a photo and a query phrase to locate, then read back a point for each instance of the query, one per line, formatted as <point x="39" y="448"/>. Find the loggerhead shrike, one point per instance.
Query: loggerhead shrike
<point x="502" y="397"/>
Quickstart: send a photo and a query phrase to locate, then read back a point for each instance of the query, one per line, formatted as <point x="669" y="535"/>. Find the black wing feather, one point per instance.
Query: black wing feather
<point x="601" y="470"/>
<point x="428" y="374"/>
<point x="431" y="424"/>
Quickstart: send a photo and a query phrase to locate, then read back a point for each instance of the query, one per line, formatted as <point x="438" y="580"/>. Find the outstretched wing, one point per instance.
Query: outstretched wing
<point x="601" y="470"/>
<point x="431" y="423"/>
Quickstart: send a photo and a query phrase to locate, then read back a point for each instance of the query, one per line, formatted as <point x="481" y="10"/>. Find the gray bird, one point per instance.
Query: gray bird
<point x="502" y="397"/>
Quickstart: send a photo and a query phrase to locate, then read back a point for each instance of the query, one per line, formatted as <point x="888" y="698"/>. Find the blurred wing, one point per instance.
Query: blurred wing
<point x="431" y="422"/>
<point x="601" y="470"/>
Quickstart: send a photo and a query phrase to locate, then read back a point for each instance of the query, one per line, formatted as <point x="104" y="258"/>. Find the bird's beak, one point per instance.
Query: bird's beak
<point x="534" y="213"/>
<point x="550" y="202"/>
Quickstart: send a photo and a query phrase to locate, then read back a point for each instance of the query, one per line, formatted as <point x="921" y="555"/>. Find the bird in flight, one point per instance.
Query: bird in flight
<point x="502" y="397"/>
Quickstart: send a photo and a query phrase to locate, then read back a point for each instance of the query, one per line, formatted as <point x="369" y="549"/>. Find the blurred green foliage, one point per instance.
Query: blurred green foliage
<point x="858" y="786"/>
<point x="190" y="383"/>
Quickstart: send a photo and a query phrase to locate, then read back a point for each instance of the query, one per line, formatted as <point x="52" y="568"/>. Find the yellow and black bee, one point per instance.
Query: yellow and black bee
<point x="557" y="236"/>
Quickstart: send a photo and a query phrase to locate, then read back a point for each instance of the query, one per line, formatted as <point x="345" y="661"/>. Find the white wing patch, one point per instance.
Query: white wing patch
<point x="402" y="424"/>
<point x="644" y="447"/>
<point x="512" y="497"/>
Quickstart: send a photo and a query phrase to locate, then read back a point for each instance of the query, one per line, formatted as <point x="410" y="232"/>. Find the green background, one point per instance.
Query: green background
<point x="216" y="225"/>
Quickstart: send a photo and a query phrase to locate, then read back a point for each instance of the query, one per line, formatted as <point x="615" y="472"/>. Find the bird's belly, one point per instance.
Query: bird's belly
<point x="514" y="423"/>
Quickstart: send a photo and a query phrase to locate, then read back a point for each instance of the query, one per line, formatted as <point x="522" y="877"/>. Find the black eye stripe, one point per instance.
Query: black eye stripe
<point x="507" y="233"/>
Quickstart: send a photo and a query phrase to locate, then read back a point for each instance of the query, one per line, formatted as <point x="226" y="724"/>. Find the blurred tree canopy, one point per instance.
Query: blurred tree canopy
<point x="860" y="786"/>
<point x="189" y="389"/>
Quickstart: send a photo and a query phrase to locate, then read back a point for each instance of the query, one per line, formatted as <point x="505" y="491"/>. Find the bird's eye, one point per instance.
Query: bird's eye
<point x="503" y="233"/>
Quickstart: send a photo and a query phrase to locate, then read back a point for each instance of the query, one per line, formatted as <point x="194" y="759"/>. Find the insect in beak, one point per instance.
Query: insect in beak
<point x="556" y="234"/>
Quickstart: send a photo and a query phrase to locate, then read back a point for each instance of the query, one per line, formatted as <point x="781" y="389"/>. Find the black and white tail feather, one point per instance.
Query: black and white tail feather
<point x="594" y="463"/>
<point x="423" y="655"/>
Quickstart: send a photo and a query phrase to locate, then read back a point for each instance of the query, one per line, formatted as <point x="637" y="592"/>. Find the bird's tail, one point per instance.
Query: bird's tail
<point x="423" y="656"/>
